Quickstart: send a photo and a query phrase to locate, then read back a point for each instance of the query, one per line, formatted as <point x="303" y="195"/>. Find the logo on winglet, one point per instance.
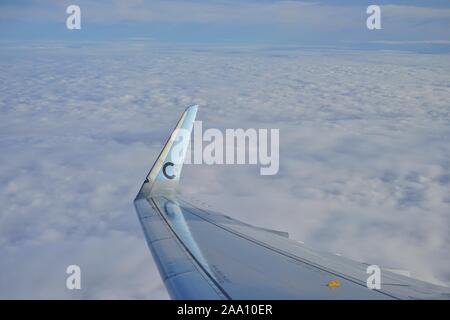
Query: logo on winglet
<point x="168" y="164"/>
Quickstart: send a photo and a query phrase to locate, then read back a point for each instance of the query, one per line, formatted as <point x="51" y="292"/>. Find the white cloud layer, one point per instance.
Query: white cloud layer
<point x="364" y="165"/>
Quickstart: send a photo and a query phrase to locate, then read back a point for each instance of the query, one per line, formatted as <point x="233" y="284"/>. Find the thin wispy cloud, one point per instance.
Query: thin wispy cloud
<point x="291" y="22"/>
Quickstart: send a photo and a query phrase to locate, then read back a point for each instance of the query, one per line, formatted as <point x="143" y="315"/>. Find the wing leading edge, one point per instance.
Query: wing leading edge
<point x="205" y="255"/>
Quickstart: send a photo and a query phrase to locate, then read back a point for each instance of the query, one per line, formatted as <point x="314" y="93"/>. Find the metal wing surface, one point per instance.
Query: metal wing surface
<point x="207" y="255"/>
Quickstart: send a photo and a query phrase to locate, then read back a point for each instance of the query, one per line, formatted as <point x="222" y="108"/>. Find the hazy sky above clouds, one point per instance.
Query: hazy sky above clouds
<point x="415" y="24"/>
<point x="364" y="163"/>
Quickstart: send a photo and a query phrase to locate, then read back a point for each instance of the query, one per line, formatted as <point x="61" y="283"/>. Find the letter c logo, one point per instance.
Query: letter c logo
<point x="168" y="164"/>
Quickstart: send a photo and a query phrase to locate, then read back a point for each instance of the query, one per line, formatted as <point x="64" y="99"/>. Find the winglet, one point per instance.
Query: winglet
<point x="166" y="171"/>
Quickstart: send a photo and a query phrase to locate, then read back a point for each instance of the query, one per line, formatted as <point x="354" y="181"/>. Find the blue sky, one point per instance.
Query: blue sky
<point x="323" y="23"/>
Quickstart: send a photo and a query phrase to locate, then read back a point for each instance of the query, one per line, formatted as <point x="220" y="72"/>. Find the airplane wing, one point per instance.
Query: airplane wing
<point x="207" y="255"/>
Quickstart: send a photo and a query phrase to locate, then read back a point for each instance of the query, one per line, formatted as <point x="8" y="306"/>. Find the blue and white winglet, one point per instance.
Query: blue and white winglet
<point x="206" y="255"/>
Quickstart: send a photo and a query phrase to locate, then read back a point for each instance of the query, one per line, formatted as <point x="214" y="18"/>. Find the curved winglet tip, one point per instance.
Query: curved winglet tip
<point x="191" y="107"/>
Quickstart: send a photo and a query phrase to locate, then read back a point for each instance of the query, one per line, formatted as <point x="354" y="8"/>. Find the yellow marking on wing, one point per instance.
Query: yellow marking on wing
<point x="334" y="284"/>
